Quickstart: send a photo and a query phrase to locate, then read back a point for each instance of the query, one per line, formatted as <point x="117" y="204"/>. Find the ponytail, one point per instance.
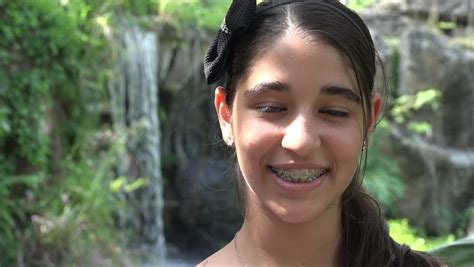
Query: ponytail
<point x="365" y="237"/>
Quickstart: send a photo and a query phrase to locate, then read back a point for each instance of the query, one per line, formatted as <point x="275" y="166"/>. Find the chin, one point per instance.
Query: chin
<point x="294" y="216"/>
<point x="296" y="220"/>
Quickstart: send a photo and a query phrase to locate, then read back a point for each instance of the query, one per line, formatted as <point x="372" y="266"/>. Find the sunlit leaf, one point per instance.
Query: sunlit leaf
<point x="420" y="127"/>
<point x="138" y="183"/>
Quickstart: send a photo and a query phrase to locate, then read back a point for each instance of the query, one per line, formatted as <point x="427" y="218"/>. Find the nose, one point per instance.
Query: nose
<point x="301" y="136"/>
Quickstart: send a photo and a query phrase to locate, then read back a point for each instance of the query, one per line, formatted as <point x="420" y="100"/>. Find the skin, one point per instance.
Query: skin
<point x="286" y="115"/>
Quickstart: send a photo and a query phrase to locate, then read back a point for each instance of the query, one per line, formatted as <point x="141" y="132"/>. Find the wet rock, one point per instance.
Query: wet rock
<point x="428" y="60"/>
<point x="438" y="168"/>
<point x="458" y="11"/>
<point x="452" y="10"/>
<point x="201" y="208"/>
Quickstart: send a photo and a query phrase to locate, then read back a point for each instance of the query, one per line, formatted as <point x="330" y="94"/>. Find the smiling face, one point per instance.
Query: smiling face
<point x="297" y="126"/>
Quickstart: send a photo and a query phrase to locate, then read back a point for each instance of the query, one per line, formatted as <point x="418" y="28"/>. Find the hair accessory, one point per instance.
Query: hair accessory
<point x="237" y="20"/>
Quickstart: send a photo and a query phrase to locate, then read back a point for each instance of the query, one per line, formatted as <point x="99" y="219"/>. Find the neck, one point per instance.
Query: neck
<point x="265" y="240"/>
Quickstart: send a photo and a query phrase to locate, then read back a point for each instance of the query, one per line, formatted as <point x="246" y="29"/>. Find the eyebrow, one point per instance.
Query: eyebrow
<point x="263" y="87"/>
<point x="341" y="91"/>
<point x="278" y="86"/>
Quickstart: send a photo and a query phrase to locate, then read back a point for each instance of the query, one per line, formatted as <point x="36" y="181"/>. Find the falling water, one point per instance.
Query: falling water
<point x="134" y="104"/>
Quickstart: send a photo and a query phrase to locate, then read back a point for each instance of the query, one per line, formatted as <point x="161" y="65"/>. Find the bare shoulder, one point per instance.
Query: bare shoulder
<point x="222" y="257"/>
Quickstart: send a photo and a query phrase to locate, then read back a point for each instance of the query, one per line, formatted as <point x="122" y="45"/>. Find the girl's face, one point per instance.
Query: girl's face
<point x="297" y="126"/>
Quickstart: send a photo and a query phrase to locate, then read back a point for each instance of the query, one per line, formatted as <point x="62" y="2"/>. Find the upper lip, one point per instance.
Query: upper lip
<point x="299" y="166"/>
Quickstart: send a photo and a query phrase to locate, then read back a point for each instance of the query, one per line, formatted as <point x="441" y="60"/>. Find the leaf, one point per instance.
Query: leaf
<point x="458" y="253"/>
<point x="429" y="96"/>
<point x="420" y="127"/>
<point x="140" y="182"/>
<point x="116" y="184"/>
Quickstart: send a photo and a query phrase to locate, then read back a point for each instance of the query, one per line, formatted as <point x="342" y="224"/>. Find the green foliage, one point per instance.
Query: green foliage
<point x="65" y="219"/>
<point x="121" y="183"/>
<point x="46" y="49"/>
<point x="419" y="127"/>
<point x="54" y="197"/>
<point x="447" y="25"/>
<point x="382" y="177"/>
<point x="12" y="211"/>
<point x="74" y="218"/>
<point x="359" y="4"/>
<point x="136" y="8"/>
<point x="403" y="233"/>
<point x="406" y="106"/>
<point x="204" y="14"/>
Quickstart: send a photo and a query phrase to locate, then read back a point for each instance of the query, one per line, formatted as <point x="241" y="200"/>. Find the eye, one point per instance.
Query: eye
<point x="269" y="109"/>
<point x="335" y="113"/>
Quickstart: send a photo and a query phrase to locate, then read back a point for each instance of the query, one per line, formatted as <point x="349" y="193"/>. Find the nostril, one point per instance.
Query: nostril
<point x="301" y="142"/>
<point x="300" y="136"/>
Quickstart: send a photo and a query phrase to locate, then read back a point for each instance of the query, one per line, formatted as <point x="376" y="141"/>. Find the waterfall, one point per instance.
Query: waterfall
<point x="134" y="106"/>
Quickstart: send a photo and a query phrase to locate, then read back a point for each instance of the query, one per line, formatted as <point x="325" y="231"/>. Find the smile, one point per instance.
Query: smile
<point x="300" y="175"/>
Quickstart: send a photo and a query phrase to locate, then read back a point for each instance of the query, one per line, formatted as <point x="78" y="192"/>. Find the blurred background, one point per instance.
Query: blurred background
<point x="110" y="153"/>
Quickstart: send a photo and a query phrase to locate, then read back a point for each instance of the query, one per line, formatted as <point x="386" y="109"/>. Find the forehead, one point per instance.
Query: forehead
<point x="302" y="63"/>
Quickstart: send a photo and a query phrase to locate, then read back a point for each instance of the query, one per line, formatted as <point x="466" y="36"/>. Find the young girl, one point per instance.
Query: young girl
<point x="298" y="109"/>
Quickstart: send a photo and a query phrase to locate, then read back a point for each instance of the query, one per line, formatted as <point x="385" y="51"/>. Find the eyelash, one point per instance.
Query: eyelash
<point x="269" y="109"/>
<point x="330" y="112"/>
<point x="335" y="113"/>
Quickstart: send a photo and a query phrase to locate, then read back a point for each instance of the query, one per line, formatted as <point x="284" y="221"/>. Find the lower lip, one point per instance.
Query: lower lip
<point x="299" y="187"/>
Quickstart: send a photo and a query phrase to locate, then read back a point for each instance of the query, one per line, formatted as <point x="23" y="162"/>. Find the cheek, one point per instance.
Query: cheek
<point x="346" y="147"/>
<point x="254" y="140"/>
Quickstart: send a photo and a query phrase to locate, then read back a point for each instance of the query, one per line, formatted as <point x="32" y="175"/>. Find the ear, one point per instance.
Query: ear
<point x="376" y="104"/>
<point x="224" y="114"/>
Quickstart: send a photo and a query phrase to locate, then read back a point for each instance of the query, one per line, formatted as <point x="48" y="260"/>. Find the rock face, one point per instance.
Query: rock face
<point x="388" y="19"/>
<point x="439" y="168"/>
<point x="392" y="17"/>
<point x="201" y="208"/>
<point x="429" y="61"/>
<point x="452" y="9"/>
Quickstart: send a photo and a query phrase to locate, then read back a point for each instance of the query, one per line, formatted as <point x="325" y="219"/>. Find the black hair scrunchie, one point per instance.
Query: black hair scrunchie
<point x="237" y="20"/>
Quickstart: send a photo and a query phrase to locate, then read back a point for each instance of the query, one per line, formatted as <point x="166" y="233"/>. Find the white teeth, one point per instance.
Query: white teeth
<point x="299" y="176"/>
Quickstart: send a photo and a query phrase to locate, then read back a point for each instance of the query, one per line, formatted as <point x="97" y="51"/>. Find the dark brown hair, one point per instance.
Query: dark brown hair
<point x="365" y="236"/>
